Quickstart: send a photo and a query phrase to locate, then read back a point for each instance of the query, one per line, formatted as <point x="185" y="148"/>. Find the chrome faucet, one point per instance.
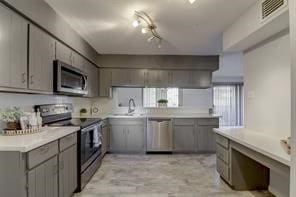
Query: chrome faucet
<point x="130" y="103"/>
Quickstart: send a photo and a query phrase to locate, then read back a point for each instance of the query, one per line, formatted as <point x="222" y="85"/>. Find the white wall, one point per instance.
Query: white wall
<point x="267" y="70"/>
<point x="230" y="68"/>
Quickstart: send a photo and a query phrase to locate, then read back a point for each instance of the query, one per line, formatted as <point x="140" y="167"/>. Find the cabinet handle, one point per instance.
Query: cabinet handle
<point x="55" y="169"/>
<point x="23" y="77"/>
<point x="44" y="150"/>
<point x="31" y="79"/>
<point x="62" y="165"/>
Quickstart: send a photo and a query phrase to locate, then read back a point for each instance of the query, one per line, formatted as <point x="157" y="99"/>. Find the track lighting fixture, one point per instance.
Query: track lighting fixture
<point x="147" y="26"/>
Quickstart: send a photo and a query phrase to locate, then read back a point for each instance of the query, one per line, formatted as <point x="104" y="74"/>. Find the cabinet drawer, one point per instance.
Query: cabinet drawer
<point x="182" y="121"/>
<point x="127" y="121"/>
<point x="222" y="153"/>
<point x="42" y="153"/>
<point x="223" y="169"/>
<point x="208" y="121"/>
<point x="68" y="141"/>
<point x="222" y="141"/>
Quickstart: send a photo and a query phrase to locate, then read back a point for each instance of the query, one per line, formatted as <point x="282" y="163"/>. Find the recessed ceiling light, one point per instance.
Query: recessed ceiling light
<point x="191" y="1"/>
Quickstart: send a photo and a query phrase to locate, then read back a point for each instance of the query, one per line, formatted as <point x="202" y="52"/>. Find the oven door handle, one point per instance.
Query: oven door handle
<point x="87" y="129"/>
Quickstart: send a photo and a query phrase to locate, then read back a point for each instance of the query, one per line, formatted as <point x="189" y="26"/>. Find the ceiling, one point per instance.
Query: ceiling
<point x="188" y="29"/>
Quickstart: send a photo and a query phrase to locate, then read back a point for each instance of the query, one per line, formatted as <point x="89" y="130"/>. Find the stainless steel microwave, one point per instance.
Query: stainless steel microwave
<point x="69" y="80"/>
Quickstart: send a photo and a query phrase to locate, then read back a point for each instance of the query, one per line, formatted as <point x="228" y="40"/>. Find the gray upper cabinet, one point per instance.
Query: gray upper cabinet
<point x="43" y="180"/>
<point x="63" y="53"/>
<point x="120" y="77"/>
<point x="13" y="50"/>
<point x="41" y="56"/>
<point x="154" y="78"/>
<point x="68" y="171"/>
<point x="105" y="78"/>
<point x="137" y="77"/>
<point x="78" y="61"/>
<point x="157" y="78"/>
<point x="180" y="78"/>
<point x="92" y="77"/>
<point x="201" y="79"/>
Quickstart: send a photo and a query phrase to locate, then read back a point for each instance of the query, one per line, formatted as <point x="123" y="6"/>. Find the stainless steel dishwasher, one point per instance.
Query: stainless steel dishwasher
<point x="159" y="135"/>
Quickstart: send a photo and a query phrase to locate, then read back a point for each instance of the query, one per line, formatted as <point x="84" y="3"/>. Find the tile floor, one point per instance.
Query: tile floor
<point x="159" y="176"/>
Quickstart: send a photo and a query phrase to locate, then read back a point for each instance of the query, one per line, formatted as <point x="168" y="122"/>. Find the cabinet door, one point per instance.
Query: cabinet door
<point x="152" y="78"/>
<point x="68" y="171"/>
<point x="163" y="78"/>
<point x="43" y="180"/>
<point x="137" y="77"/>
<point x="105" y="142"/>
<point x="105" y="83"/>
<point x="201" y="79"/>
<point x="120" y="77"/>
<point x="13" y="50"/>
<point x="184" y="138"/>
<point x="117" y="138"/>
<point x="206" y="139"/>
<point x="135" y="138"/>
<point x="42" y="54"/>
<point x="63" y="53"/>
<point x="5" y="21"/>
<point x="92" y="78"/>
<point x="78" y="61"/>
<point x="180" y="78"/>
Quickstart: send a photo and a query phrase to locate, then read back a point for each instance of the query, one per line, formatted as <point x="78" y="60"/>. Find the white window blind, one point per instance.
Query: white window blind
<point x="152" y="95"/>
<point x="228" y="104"/>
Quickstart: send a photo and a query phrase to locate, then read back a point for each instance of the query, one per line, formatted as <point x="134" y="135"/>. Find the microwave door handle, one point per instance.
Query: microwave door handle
<point x="85" y="82"/>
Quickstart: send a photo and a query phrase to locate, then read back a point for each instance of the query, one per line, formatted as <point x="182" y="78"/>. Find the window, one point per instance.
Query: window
<point x="152" y="95"/>
<point x="228" y="103"/>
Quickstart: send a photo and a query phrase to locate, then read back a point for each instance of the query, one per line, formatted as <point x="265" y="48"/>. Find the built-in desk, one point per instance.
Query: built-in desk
<point x="249" y="160"/>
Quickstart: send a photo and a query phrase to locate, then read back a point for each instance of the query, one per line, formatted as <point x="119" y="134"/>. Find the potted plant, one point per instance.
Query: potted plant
<point x="12" y="117"/>
<point x="162" y="102"/>
<point x="83" y="112"/>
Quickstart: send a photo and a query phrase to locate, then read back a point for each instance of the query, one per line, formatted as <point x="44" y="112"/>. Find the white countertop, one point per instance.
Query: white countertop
<point x="174" y="115"/>
<point x="260" y="142"/>
<point x="25" y="143"/>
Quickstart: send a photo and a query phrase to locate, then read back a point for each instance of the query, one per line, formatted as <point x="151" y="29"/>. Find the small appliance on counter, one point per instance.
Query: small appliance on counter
<point x="89" y="149"/>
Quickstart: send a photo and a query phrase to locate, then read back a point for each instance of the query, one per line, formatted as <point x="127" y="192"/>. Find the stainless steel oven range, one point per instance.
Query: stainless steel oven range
<point x="89" y="147"/>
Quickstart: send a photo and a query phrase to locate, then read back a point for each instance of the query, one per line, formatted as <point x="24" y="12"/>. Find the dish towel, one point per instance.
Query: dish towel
<point x="96" y="138"/>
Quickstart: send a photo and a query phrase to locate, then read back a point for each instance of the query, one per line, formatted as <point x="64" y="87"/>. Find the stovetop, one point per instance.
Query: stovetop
<point x="80" y="122"/>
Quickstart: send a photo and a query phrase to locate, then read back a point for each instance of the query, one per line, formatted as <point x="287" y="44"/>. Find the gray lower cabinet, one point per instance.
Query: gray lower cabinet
<point x="195" y="135"/>
<point x="184" y="138"/>
<point x="106" y="138"/>
<point x="13" y="50"/>
<point x="206" y="139"/>
<point x="47" y="171"/>
<point x="68" y="171"/>
<point x="127" y="135"/>
<point x="205" y="134"/>
<point x="43" y="180"/>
